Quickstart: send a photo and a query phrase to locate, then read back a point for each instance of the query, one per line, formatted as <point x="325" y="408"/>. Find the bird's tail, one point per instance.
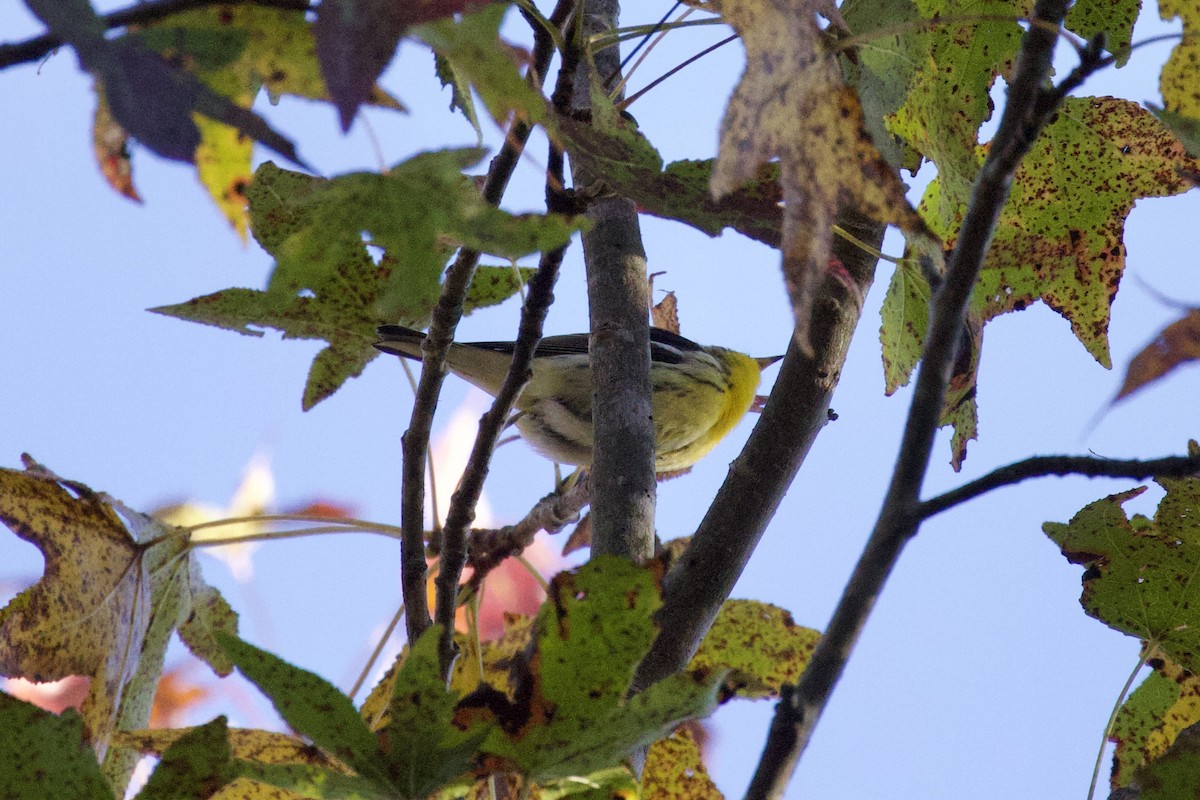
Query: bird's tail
<point x="400" y="341"/>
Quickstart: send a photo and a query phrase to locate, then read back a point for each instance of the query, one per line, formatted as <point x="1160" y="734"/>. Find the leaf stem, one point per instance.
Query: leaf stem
<point x="662" y="32"/>
<point x="874" y="252"/>
<point x="376" y="652"/>
<point x="1147" y="649"/>
<point x="602" y="40"/>
<point x="533" y="571"/>
<point x="366" y="525"/>
<point x="267" y="536"/>
<point x="446" y="314"/>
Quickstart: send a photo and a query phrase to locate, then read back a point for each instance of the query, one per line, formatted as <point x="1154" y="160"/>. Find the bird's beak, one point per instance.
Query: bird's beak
<point x="763" y="363"/>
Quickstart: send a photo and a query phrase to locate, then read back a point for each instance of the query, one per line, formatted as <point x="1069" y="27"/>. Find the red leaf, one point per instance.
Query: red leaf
<point x="324" y="508"/>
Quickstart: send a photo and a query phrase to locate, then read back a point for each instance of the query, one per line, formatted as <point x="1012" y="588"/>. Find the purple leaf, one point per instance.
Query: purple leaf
<point x="356" y="40"/>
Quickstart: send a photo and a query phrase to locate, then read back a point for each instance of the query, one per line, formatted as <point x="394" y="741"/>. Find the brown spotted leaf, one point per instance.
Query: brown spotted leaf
<point x="262" y="749"/>
<point x="1060" y="238"/>
<point x="569" y="713"/>
<point x="116" y="586"/>
<point x="197" y="765"/>
<point x="951" y="67"/>
<point x="1167" y="702"/>
<point x="1141" y="576"/>
<point x="327" y="286"/>
<point x="45" y="755"/>
<point x="1180" y="78"/>
<point x="1176" y="774"/>
<point x="1112" y="18"/>
<point x="791" y="104"/>
<point x="675" y="770"/>
<point x="89" y="613"/>
<point x="760" y="642"/>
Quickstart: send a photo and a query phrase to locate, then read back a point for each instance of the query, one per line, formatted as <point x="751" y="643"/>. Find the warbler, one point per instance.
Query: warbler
<point x="698" y="393"/>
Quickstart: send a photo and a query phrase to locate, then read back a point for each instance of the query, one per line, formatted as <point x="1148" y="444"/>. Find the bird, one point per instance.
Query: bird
<point x="698" y="393"/>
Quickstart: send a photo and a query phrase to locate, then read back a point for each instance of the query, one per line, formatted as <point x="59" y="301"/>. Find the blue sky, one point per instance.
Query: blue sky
<point x="978" y="665"/>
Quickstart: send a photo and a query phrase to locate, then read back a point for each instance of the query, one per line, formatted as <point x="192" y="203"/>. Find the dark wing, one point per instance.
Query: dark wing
<point x="399" y="333"/>
<point x="665" y="347"/>
<point x="572" y="344"/>
<point x="400" y="341"/>
<point x="668" y="348"/>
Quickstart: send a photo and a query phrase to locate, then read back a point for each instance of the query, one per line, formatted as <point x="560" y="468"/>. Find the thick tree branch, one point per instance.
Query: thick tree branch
<point x="795" y="413"/>
<point x="622" y="470"/>
<point x="1062" y="466"/>
<point x="1024" y="114"/>
<point x="446" y="314"/>
<point x="34" y="49"/>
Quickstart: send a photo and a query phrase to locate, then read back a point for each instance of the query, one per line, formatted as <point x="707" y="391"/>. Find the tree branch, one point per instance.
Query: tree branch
<point x="795" y="413"/>
<point x="488" y="547"/>
<point x="34" y="49"/>
<point x="1062" y="466"/>
<point x="446" y="314"/>
<point x="622" y="470"/>
<point x="539" y="296"/>
<point x="1025" y="112"/>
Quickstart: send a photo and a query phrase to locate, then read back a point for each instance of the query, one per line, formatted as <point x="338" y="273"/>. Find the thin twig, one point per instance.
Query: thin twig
<point x="620" y="87"/>
<point x="627" y="102"/>
<point x="376" y="652"/>
<point x="446" y="314"/>
<point x="1062" y="466"/>
<point x="490" y="547"/>
<point x="32" y="50"/>
<point x="1025" y="113"/>
<point x="1148" y="649"/>
<point x="462" y="504"/>
<point x="539" y="295"/>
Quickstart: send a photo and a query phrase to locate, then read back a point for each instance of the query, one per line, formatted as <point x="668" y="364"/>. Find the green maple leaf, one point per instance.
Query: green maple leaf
<point x="1142" y="575"/>
<point x="326" y="285"/>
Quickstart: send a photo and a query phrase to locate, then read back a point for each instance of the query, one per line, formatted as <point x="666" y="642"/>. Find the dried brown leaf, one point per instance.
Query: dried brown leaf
<point x="1176" y="344"/>
<point x="791" y="104"/>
